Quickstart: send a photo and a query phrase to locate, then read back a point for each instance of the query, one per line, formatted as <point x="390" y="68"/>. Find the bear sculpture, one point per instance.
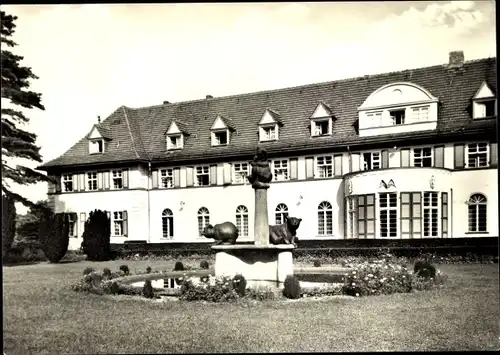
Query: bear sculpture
<point x="224" y="233"/>
<point x="285" y="233"/>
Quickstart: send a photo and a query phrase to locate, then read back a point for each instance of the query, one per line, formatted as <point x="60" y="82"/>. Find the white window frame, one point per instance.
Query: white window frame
<point x="326" y="209"/>
<point x="324" y="166"/>
<point x="375" y="158"/>
<point x="352" y="217"/>
<point x="240" y="172"/>
<point x="166" y="178"/>
<point x="118" y="221"/>
<point x="420" y="113"/>
<point x="92" y="179"/>
<point x="167" y="218"/>
<point x="281" y="167"/>
<point x="202" y="170"/>
<point x="476" y="200"/>
<point x="242" y="221"/>
<point x="393" y="119"/>
<point x="179" y="141"/>
<point x="96" y="146"/>
<point x="468" y="152"/>
<point x="73" y="223"/>
<point x="203" y="220"/>
<point x="386" y="210"/>
<point x="117" y="179"/>
<point x="280" y="212"/>
<point x="479" y="107"/>
<point x="265" y="132"/>
<point x="316" y="124"/>
<point x="67" y="179"/>
<point x="216" y="139"/>
<point x="417" y="154"/>
<point x="428" y="206"/>
<point x="374" y="119"/>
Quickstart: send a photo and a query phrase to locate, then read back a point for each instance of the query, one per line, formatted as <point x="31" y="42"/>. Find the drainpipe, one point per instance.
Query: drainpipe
<point x="149" y="209"/>
<point x="450" y="202"/>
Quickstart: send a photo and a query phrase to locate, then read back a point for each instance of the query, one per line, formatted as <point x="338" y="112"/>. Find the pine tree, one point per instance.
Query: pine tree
<point x="16" y="142"/>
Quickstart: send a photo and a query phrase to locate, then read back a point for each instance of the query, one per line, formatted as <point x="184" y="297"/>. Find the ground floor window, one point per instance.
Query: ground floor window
<point x="242" y="220"/>
<point x="72" y="221"/>
<point x="119" y="224"/>
<point x="203" y="219"/>
<point x="477" y="213"/>
<point x="167" y="221"/>
<point x="281" y="213"/>
<point x="325" y="218"/>
<point x="388" y="211"/>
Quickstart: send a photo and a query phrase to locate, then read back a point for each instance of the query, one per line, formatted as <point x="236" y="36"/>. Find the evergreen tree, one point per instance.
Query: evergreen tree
<point x="8" y="223"/>
<point x="16" y="142"/>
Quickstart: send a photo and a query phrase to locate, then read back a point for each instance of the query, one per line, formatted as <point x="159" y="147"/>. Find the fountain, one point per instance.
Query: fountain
<point x="261" y="263"/>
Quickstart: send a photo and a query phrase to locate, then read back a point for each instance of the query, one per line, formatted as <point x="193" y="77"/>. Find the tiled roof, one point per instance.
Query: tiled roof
<point x="141" y="131"/>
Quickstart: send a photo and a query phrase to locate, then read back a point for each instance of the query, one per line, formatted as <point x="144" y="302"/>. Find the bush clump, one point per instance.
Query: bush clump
<point x="88" y="270"/>
<point x="239" y="284"/>
<point x="106" y="273"/>
<point x="148" y="270"/>
<point x="424" y="269"/>
<point x="124" y="269"/>
<point x="179" y="266"/>
<point x="147" y="289"/>
<point x="96" y="236"/>
<point x="214" y="290"/>
<point x="316" y="263"/>
<point x="204" y="264"/>
<point x="54" y="234"/>
<point x="292" y="287"/>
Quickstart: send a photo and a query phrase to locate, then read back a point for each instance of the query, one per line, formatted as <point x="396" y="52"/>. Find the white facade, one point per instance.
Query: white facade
<point x="321" y="194"/>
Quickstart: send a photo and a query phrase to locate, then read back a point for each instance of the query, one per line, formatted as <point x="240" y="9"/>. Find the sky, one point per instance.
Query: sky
<point x="93" y="58"/>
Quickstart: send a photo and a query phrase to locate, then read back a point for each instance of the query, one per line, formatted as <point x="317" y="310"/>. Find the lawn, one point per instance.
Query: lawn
<point x="42" y="315"/>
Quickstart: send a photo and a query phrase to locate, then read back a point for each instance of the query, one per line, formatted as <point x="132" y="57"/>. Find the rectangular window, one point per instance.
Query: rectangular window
<point x="91" y="181"/>
<point x="220" y="138"/>
<point x="96" y="147"/>
<point x="352" y="217"/>
<point x="202" y="175"/>
<point x="117" y="224"/>
<point x="484" y="109"/>
<point x="269" y="133"/>
<point x="67" y="183"/>
<point x="174" y="142"/>
<point x="477" y="155"/>
<point x="167" y="178"/>
<point x="117" y="179"/>
<point x="280" y="170"/>
<point x="431" y="209"/>
<point x="371" y="160"/>
<point x="420" y="114"/>
<point x="366" y="216"/>
<point x="423" y="157"/>
<point x="321" y="128"/>
<point x="72" y="225"/>
<point x="388" y="208"/>
<point x="324" y="166"/>
<point x="374" y="119"/>
<point x="397" y="117"/>
<point x="411" y="219"/>
<point x="444" y="214"/>
<point x="240" y="172"/>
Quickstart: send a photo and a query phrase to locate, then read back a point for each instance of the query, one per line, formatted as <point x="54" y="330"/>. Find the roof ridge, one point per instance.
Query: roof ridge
<point x="130" y="132"/>
<point x="313" y="84"/>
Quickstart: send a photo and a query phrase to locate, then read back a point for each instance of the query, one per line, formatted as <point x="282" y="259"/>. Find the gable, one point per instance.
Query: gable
<point x="269" y="117"/>
<point x="484" y="92"/>
<point x="173" y="129"/>
<point x="321" y="111"/>
<point x="397" y="94"/>
<point x="94" y="133"/>
<point x="218" y="123"/>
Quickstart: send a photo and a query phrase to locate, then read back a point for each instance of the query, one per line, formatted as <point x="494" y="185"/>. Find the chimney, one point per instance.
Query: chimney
<point x="98" y="119"/>
<point x="456" y="59"/>
<point x="166" y="102"/>
<point x="209" y="97"/>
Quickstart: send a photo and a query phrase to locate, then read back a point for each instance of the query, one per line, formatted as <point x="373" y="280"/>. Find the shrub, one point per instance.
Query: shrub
<point x="317" y="263"/>
<point x="179" y="266"/>
<point x="239" y="284"/>
<point x="292" y="287"/>
<point x="106" y="273"/>
<point x="88" y="270"/>
<point x="260" y="294"/>
<point x="204" y="264"/>
<point x="8" y="223"/>
<point x="214" y="290"/>
<point x="147" y="290"/>
<point x="95" y="279"/>
<point x="96" y="236"/>
<point x="124" y="268"/>
<point x="55" y="235"/>
<point x="424" y="269"/>
<point x="148" y="270"/>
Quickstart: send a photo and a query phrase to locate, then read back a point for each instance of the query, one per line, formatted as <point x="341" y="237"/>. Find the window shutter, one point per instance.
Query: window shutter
<point x="154" y="179"/>
<point x="309" y="167"/>
<point x="83" y="219"/>
<point x="177" y="177"/>
<point x="439" y="156"/>
<point x="459" y="156"/>
<point x="125" y="223"/>
<point x="51" y="186"/>
<point x="293" y="169"/>
<point x="109" y="216"/>
<point x="494" y="155"/>
<point x="99" y="181"/>
<point x="337" y="169"/>
<point x="213" y="174"/>
<point x="75" y="220"/>
<point x="58" y="183"/>
<point x="74" y="177"/>
<point x="105" y="180"/>
<point x="189" y="176"/>
<point x="405" y="158"/>
<point x="82" y="183"/>
<point x="125" y="178"/>
<point x="227" y="173"/>
<point x="354" y="161"/>
<point x="385" y="159"/>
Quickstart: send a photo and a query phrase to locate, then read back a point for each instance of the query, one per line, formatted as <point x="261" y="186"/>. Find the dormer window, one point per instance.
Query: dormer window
<point x="221" y="131"/>
<point x="174" y="142"/>
<point x="96" y="146"/>
<point x="269" y="126"/>
<point x="397" y="117"/>
<point x="220" y="137"/>
<point x="321" y="121"/>
<point x="484" y="102"/>
<point x="175" y="135"/>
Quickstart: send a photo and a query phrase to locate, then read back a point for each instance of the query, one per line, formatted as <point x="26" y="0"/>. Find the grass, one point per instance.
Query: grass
<point x="43" y="315"/>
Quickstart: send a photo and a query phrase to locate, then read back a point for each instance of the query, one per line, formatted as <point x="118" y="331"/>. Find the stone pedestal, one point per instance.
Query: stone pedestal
<point x="260" y="265"/>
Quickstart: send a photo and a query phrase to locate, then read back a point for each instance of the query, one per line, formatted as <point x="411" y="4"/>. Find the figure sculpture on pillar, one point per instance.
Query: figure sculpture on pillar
<point x="261" y="174"/>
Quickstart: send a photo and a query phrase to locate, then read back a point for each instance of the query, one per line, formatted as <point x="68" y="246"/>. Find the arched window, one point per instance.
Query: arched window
<point x="167" y="223"/>
<point x="242" y="220"/>
<point x="203" y="219"/>
<point x="477" y="213"/>
<point x="281" y="213"/>
<point x="325" y="216"/>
